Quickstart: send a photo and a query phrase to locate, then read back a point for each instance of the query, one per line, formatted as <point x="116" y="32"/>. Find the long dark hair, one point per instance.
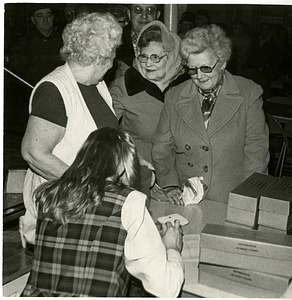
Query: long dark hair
<point x="107" y="161"/>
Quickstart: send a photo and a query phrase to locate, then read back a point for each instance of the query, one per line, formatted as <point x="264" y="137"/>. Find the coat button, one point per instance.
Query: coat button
<point x="205" y="187"/>
<point x="190" y="164"/>
<point x="205" y="148"/>
<point x="188" y="147"/>
<point x="205" y="168"/>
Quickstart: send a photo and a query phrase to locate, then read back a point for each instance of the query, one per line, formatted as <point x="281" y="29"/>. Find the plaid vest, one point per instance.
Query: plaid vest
<point x="83" y="258"/>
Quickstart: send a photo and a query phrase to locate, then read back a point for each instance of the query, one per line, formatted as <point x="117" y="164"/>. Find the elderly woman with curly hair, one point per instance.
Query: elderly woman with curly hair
<point x="68" y="104"/>
<point x="212" y="126"/>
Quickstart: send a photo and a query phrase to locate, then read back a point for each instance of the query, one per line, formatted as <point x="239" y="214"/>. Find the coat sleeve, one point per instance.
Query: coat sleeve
<point x="163" y="156"/>
<point x="118" y="92"/>
<point x="146" y="258"/>
<point x="256" y="146"/>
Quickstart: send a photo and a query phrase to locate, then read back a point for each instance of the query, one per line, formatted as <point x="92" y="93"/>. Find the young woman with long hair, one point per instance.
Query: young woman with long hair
<point x="93" y="229"/>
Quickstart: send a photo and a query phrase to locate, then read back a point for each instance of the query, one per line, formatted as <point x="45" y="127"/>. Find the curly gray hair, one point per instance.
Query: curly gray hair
<point x="211" y="37"/>
<point x="92" y="38"/>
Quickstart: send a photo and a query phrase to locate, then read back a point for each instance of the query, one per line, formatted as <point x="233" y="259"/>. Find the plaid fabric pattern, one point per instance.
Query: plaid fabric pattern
<point x="82" y="258"/>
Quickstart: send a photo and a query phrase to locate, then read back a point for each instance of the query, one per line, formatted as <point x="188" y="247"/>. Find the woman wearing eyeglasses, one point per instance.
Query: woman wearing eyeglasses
<point x="138" y="96"/>
<point x="212" y="125"/>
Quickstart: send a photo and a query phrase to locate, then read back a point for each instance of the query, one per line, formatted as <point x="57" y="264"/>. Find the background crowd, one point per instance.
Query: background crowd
<point x="250" y="43"/>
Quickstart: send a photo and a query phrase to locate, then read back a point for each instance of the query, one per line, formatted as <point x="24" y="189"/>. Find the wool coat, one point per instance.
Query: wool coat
<point x="138" y="104"/>
<point x="234" y="146"/>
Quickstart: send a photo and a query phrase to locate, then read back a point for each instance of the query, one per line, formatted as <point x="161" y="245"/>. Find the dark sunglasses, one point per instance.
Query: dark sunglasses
<point x="204" y="69"/>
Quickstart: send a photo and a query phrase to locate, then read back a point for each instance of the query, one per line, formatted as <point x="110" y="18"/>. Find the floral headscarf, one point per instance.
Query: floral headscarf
<point x="171" y="43"/>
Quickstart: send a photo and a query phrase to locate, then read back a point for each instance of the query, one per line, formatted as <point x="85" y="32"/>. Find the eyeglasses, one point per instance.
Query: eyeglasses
<point x="138" y="10"/>
<point x="204" y="69"/>
<point x="153" y="57"/>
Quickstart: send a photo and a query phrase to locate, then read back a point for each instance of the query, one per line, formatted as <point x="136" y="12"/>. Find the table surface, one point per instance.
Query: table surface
<point x="198" y="216"/>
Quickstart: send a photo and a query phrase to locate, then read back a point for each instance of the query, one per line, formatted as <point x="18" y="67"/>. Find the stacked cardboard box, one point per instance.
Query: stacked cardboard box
<point x="275" y="208"/>
<point x="257" y="264"/>
<point x="243" y="202"/>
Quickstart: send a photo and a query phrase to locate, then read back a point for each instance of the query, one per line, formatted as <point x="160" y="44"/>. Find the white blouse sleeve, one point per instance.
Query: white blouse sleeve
<point x="146" y="258"/>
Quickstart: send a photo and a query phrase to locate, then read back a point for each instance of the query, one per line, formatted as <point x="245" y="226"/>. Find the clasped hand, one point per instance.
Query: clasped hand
<point x="172" y="236"/>
<point x="173" y="195"/>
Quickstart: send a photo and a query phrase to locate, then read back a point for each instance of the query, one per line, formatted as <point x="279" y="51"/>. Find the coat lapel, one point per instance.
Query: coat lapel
<point x="189" y="109"/>
<point x="227" y="104"/>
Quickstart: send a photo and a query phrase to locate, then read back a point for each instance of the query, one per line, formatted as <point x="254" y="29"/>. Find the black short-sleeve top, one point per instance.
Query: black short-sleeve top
<point x="48" y="104"/>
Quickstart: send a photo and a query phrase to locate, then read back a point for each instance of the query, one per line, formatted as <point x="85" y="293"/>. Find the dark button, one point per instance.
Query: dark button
<point x="205" y="168"/>
<point x="205" y="187"/>
<point x="206" y="148"/>
<point x="188" y="147"/>
<point x="190" y="165"/>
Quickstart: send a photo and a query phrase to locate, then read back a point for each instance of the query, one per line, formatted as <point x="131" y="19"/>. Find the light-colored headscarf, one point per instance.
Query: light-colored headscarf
<point x="171" y="43"/>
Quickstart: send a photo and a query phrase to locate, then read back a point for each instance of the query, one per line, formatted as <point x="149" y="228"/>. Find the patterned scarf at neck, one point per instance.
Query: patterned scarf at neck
<point x="209" y="99"/>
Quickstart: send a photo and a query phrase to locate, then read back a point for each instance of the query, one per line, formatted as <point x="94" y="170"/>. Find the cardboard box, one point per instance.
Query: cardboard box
<point x="273" y="220"/>
<point x="278" y="197"/>
<point x="232" y="239"/>
<point x="242" y="261"/>
<point x="234" y="224"/>
<point x="248" y="218"/>
<point x="191" y="248"/>
<point x="236" y="288"/>
<point x="278" y="231"/>
<point x="246" y="196"/>
<point x="266" y="281"/>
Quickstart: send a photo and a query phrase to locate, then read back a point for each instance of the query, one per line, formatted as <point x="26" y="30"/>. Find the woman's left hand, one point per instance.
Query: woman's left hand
<point x="174" y="195"/>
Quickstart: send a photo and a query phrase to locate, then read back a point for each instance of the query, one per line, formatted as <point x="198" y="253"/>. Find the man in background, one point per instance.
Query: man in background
<point x="202" y="18"/>
<point x="120" y="13"/>
<point x="186" y="23"/>
<point x="265" y="53"/>
<point x="139" y="15"/>
<point x="36" y="54"/>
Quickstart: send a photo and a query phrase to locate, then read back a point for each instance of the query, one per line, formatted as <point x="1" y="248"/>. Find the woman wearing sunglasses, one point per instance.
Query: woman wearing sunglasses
<point x="212" y="125"/>
<point x="138" y="96"/>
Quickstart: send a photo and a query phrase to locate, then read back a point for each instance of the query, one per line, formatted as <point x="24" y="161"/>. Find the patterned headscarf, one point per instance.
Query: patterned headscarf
<point x="171" y="43"/>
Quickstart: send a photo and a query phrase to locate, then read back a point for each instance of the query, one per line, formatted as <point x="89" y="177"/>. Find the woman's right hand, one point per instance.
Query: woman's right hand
<point x="173" y="195"/>
<point x="172" y="236"/>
